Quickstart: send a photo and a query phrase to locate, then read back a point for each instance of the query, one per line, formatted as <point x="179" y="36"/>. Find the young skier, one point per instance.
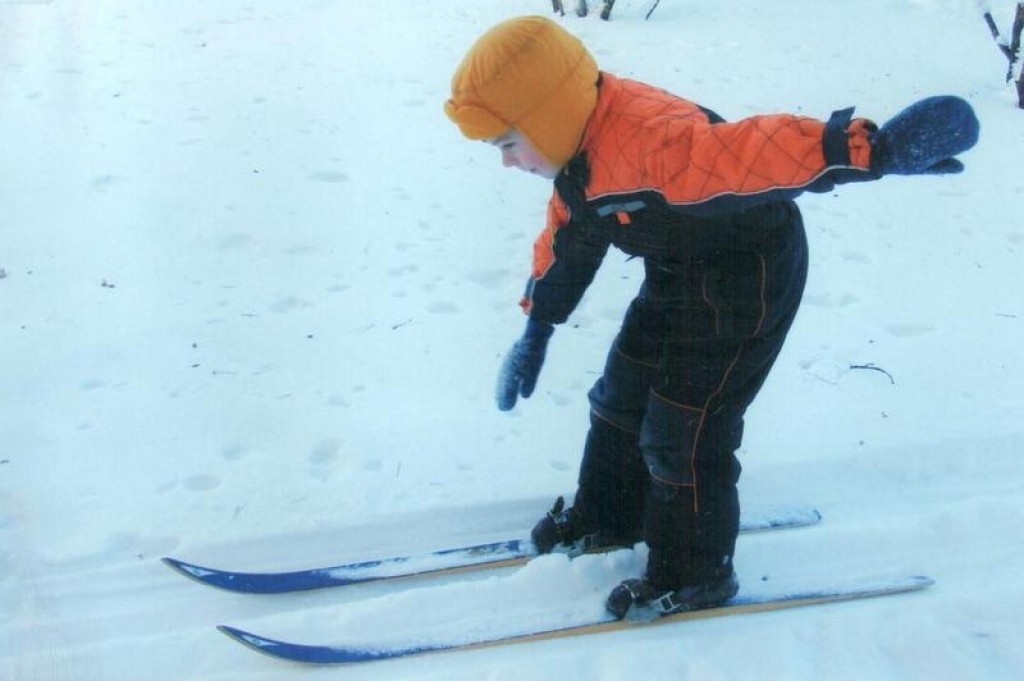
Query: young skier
<point x="708" y="207"/>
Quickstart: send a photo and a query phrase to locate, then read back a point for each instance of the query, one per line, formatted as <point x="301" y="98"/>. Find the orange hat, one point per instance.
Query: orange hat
<point x="529" y="74"/>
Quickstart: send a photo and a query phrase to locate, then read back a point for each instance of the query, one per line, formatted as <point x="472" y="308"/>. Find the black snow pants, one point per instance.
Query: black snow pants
<point x="695" y="347"/>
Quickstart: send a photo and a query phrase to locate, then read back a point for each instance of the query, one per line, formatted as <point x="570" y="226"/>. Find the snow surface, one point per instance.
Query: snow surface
<point x="254" y="290"/>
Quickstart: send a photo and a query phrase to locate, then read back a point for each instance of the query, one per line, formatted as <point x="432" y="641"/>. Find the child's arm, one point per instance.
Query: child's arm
<point x="705" y="167"/>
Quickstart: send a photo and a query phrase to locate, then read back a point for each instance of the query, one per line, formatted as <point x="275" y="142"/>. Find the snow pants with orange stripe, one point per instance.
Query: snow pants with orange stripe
<point x="667" y="414"/>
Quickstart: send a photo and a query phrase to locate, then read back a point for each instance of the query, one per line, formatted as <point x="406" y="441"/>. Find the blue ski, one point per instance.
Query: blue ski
<point x="447" y="561"/>
<point x="342" y="654"/>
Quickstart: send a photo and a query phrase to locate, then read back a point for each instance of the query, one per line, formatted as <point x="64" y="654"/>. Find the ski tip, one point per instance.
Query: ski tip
<point x="176" y="565"/>
<point x="196" y="572"/>
<point x="299" y="652"/>
<point x="251" y="641"/>
<point x="238" y="635"/>
<point x="230" y="632"/>
<point x="180" y="565"/>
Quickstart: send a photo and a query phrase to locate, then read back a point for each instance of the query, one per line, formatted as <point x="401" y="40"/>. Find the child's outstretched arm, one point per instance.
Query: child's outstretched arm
<point x="716" y="167"/>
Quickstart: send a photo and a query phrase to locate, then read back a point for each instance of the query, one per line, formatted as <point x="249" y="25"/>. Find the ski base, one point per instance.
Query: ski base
<point x="445" y="562"/>
<point x="741" y="604"/>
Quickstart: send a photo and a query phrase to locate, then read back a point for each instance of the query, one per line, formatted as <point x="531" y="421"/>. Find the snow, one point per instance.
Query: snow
<point x="255" y="288"/>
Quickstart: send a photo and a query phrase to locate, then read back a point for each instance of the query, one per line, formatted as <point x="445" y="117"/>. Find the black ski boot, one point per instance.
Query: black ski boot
<point x="642" y="593"/>
<point x="561" y="527"/>
<point x="564" y="530"/>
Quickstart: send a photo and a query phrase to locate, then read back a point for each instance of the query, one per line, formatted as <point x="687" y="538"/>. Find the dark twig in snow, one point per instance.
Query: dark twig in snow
<point x="872" y="367"/>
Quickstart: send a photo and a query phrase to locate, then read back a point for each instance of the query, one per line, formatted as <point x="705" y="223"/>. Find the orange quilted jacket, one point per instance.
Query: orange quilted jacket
<point x="662" y="178"/>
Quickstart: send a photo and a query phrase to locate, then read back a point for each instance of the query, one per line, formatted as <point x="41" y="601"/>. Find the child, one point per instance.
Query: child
<point x="708" y="206"/>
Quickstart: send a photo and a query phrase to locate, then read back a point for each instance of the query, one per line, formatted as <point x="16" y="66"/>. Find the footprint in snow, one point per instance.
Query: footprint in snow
<point x="328" y="176"/>
<point x="444" y="308"/>
<point x="233" y="452"/>
<point x="323" y="458"/>
<point x="202" y="482"/>
<point x="909" y="330"/>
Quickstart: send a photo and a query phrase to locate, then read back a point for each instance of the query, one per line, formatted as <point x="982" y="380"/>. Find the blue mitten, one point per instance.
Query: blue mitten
<point x="521" y="367"/>
<point x="923" y="138"/>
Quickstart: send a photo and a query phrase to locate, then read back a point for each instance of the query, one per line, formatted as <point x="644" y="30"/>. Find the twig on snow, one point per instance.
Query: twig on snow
<point x="872" y="367"/>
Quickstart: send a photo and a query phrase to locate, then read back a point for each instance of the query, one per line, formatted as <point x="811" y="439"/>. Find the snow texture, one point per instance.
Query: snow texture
<point x="255" y="289"/>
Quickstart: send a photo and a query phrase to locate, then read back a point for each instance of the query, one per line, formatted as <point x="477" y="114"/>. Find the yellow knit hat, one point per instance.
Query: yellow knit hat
<point x="529" y="74"/>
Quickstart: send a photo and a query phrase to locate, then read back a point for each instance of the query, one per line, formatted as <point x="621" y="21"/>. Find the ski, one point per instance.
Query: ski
<point x="503" y="553"/>
<point x="741" y="604"/>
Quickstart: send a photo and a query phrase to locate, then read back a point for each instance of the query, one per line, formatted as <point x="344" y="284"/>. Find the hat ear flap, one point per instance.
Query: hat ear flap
<point x="475" y="122"/>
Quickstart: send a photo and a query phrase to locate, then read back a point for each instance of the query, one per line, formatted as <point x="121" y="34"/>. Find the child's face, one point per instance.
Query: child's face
<point x="517" y="152"/>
